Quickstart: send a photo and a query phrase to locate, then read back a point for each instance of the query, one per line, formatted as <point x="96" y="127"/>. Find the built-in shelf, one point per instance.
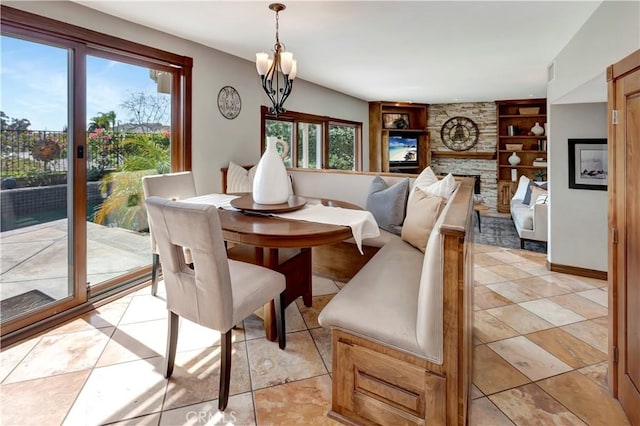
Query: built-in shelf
<point x="464" y="154"/>
<point x="523" y="115"/>
<point x="522" y="137"/>
<point x="524" y="151"/>
<point x="521" y="167"/>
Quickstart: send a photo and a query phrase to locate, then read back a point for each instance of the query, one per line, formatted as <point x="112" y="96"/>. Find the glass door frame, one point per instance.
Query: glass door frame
<point x="80" y="42"/>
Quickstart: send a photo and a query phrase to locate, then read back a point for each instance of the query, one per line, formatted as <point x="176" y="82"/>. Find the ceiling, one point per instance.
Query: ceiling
<point x="418" y="51"/>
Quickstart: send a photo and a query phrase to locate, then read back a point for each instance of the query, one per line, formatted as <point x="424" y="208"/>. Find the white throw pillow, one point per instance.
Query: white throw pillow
<point x="442" y="188"/>
<point x="239" y="179"/>
<point x="425" y="179"/>
<point x="523" y="184"/>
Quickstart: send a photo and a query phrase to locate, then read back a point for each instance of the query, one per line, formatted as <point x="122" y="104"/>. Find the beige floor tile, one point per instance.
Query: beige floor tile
<point x="529" y="358"/>
<point x="118" y="392"/>
<point x="302" y="402"/>
<point x="541" y="287"/>
<point x="483" y="276"/>
<point x="483" y="259"/>
<point x="509" y="272"/>
<point x="322" y="285"/>
<point x="488" y="328"/>
<point x="254" y="326"/>
<point x="580" y="305"/>
<point x="135" y="341"/>
<point x="520" y="319"/>
<point x="485" y="248"/>
<point x="485" y="298"/>
<point x="147" y="420"/>
<point x="12" y="356"/>
<point x="591" y="332"/>
<point x="532" y="256"/>
<point x="475" y="392"/>
<point x="145" y="308"/>
<point x="270" y="366"/>
<point x="552" y="312"/>
<point x="597" y="373"/>
<point x="530" y="405"/>
<point x="62" y="353"/>
<point x="194" y="336"/>
<point x="105" y="316"/>
<point x="239" y="411"/>
<point x="506" y="257"/>
<point x="322" y="338"/>
<point x="567" y="348"/>
<point x="569" y="282"/>
<point x="492" y="374"/>
<point x="310" y="315"/>
<point x="596" y="295"/>
<point x="484" y="413"/>
<point x="534" y="268"/>
<point x="514" y="291"/>
<point x="196" y="376"/>
<point x="584" y="397"/>
<point x="40" y="401"/>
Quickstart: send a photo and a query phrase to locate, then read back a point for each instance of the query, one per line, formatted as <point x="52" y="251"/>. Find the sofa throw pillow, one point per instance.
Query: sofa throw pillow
<point x="239" y="179"/>
<point x="523" y="185"/>
<point x="532" y="184"/>
<point x="442" y="188"/>
<point x="537" y="193"/>
<point x="425" y="179"/>
<point x="387" y="203"/>
<point x="422" y="213"/>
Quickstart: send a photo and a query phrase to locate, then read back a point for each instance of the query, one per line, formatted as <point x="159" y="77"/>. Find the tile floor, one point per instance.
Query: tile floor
<point x="540" y="358"/>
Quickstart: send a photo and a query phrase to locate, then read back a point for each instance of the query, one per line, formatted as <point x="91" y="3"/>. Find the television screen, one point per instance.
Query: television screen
<point x="403" y="149"/>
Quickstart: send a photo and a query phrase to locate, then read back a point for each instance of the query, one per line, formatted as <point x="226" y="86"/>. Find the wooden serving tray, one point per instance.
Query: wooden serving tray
<point x="246" y="203"/>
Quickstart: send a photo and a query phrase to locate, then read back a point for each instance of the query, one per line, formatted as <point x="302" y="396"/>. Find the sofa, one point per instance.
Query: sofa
<point x="529" y="213"/>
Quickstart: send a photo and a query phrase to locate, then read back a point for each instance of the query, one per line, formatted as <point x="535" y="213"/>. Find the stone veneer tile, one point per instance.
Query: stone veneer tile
<point x="303" y="402"/>
<point x="530" y="359"/>
<point x="483" y="412"/>
<point x="492" y="374"/>
<point x="530" y="405"/>
<point x="40" y="401"/>
<point x="520" y="319"/>
<point x="485" y="298"/>
<point x="196" y="376"/>
<point x="584" y="397"/>
<point x="488" y="328"/>
<point x="270" y="366"/>
<point x="566" y="347"/>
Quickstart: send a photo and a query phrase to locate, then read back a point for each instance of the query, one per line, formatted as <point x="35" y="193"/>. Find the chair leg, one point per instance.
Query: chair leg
<point x="225" y="370"/>
<point x="172" y="343"/>
<point x="154" y="274"/>
<point x="279" y="308"/>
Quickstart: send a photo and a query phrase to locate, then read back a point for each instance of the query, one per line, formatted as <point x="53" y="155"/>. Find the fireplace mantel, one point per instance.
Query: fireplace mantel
<point x="464" y="154"/>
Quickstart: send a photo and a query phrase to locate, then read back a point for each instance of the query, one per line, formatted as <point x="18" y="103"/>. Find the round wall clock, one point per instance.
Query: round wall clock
<point x="459" y="133"/>
<point x="229" y="102"/>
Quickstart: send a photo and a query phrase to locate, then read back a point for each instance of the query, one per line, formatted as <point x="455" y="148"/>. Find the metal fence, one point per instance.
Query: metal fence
<point x="28" y="153"/>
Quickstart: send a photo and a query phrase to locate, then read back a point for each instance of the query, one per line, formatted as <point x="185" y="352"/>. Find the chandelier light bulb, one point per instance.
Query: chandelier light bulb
<point x="286" y="62"/>
<point x="262" y="63"/>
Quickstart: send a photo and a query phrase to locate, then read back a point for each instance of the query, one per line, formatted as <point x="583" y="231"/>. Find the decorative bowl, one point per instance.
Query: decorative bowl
<point x="513" y="146"/>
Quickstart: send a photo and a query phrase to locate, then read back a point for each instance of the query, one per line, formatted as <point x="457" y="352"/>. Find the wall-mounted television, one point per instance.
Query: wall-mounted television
<point x="403" y="150"/>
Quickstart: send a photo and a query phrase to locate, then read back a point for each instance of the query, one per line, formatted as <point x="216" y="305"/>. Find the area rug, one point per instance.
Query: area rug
<point x="17" y="305"/>
<point x="500" y="231"/>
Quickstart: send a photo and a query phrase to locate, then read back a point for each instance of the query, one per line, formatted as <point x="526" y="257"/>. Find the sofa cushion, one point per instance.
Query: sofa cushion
<point x="239" y="179"/>
<point x="388" y="203"/>
<point x="536" y="193"/>
<point x="522" y="215"/>
<point x="523" y="185"/>
<point x="527" y="196"/>
<point x="422" y="213"/>
<point x="380" y="301"/>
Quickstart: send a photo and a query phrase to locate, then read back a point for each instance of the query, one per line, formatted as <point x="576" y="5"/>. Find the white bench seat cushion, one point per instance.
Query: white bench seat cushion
<point x="381" y="300"/>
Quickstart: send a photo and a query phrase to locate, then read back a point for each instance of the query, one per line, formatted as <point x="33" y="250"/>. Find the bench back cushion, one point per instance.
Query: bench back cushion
<point x="429" y="332"/>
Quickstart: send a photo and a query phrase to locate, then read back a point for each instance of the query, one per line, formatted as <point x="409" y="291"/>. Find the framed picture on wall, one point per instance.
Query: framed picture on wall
<point x="395" y="121"/>
<point x="588" y="164"/>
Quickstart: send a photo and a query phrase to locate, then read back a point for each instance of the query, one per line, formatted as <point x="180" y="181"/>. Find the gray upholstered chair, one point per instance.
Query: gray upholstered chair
<point x="218" y="292"/>
<point x="174" y="186"/>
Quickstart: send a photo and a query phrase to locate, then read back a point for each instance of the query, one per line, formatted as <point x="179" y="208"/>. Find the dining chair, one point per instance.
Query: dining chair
<point x="218" y="292"/>
<point x="174" y="186"/>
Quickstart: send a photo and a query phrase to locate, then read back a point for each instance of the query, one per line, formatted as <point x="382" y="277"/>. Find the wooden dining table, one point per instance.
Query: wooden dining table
<point x="283" y="245"/>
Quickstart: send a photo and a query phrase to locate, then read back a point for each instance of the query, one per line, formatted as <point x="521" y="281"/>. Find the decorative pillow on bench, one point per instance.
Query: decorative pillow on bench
<point x="429" y="183"/>
<point x="239" y="179"/>
<point x="387" y="203"/>
<point x="423" y="210"/>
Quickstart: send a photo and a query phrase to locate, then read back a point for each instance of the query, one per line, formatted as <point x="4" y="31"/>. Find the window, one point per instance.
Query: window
<point x="314" y="141"/>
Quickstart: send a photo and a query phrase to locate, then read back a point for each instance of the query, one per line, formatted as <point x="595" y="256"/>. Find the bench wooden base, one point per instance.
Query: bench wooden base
<point x="375" y="384"/>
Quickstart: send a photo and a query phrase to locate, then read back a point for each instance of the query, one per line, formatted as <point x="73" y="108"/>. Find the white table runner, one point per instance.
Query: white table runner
<point x="362" y="223"/>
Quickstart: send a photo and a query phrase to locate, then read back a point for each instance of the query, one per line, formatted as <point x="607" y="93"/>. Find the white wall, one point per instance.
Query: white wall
<point x="610" y="34"/>
<point x="577" y="217"/>
<point x="216" y="140"/>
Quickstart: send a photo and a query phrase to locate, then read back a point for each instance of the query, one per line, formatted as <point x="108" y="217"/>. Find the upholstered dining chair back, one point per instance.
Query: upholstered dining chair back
<point x="174" y="186"/>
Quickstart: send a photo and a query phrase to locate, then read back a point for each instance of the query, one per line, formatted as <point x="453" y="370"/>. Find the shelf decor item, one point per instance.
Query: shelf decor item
<point x="529" y="110"/>
<point x="395" y="121"/>
<point x="514" y="175"/>
<point x="514" y="160"/>
<point x="271" y="182"/>
<point x="459" y="133"/>
<point x="513" y="146"/>
<point x="537" y="129"/>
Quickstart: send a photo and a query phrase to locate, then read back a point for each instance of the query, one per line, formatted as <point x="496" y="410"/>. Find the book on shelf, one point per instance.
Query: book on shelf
<point x="542" y="144"/>
<point x="538" y="163"/>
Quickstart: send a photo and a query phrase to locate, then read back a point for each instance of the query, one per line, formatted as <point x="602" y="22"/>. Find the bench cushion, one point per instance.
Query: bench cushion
<point x="380" y="302"/>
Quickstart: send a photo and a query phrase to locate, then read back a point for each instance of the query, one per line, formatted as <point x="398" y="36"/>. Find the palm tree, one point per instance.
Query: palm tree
<point x="104" y="120"/>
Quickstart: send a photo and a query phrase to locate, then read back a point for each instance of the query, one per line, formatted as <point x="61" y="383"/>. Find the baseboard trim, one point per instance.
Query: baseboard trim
<point x="575" y="270"/>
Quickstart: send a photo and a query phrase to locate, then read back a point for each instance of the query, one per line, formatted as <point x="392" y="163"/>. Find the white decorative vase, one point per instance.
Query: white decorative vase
<point x="514" y="159"/>
<point x="271" y="183"/>
<point x="537" y="130"/>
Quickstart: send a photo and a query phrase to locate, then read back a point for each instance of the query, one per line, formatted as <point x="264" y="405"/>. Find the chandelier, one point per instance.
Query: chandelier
<point x="277" y="74"/>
